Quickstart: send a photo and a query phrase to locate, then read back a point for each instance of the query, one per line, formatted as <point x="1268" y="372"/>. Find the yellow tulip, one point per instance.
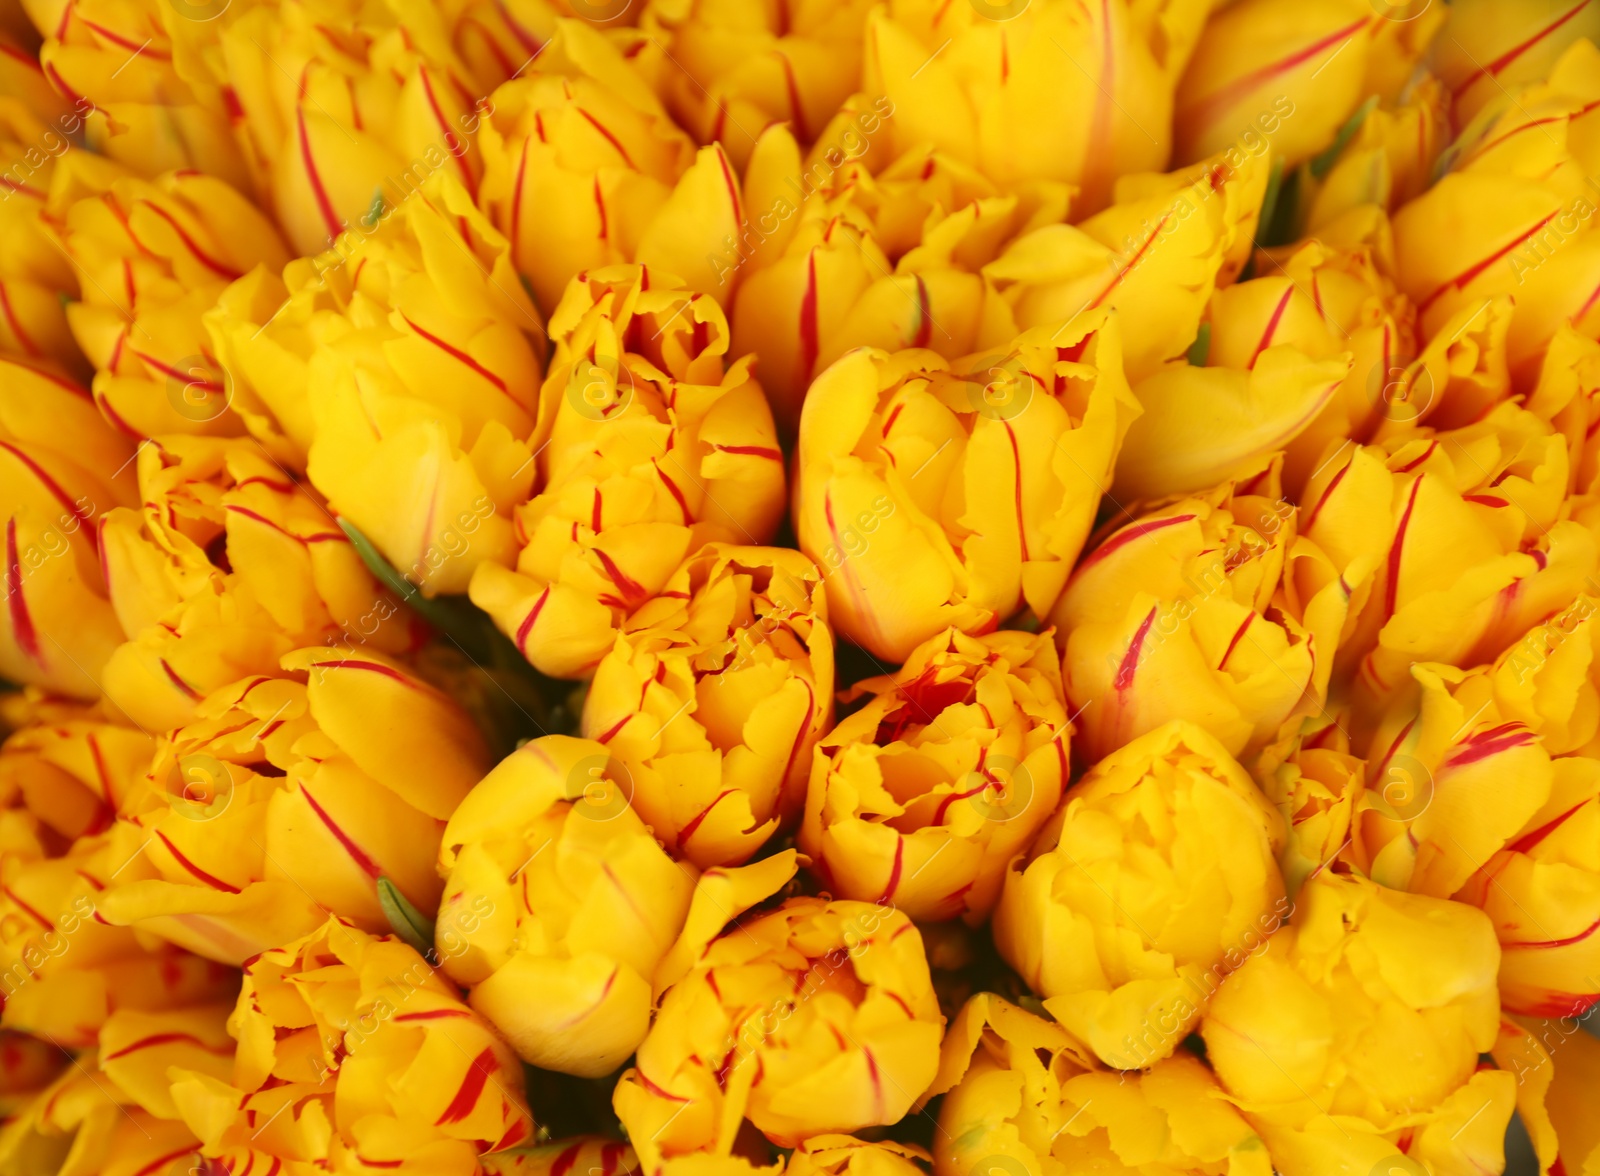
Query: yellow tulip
<point x="61" y="469"/>
<point x="63" y="969"/>
<point x="1256" y="59"/>
<point x="130" y="71"/>
<point x="112" y="1113"/>
<point x="1155" y="878"/>
<point x="69" y="768"/>
<point x="1048" y="93"/>
<point x="959" y="756"/>
<point x="942" y="494"/>
<point x="1547" y="681"/>
<point x="580" y="157"/>
<point x="354" y="1054"/>
<point x="651" y="444"/>
<point x="1487" y="48"/>
<point x="1543" y="893"/>
<point x="289" y="797"/>
<point x="1513" y="213"/>
<point x="1464" y="532"/>
<point x="154" y="255"/>
<point x="844" y="1155"/>
<point x="1355" y="1037"/>
<point x="816" y="1018"/>
<point x="584" y="1155"/>
<point x="1320" y="792"/>
<point x="713" y="698"/>
<point x="1020" y="1095"/>
<point x="564" y="953"/>
<point x="1212" y="610"/>
<point x="1154" y="256"/>
<point x="833" y="256"/>
<point x="739" y="69"/>
<point x="35" y="279"/>
<point x="424" y="353"/>
<point x="227" y="566"/>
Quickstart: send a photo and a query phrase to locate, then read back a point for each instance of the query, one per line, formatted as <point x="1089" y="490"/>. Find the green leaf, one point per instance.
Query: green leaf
<point x="1322" y="164"/>
<point x="374" y="212"/>
<point x="408" y="922"/>
<point x="1200" y="349"/>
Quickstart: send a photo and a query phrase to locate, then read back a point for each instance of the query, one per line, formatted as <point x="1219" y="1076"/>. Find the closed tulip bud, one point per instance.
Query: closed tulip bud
<point x="653" y="444"/>
<point x="70" y="768"/>
<point x="111" y="1113"/>
<point x="424" y="353"/>
<point x="536" y="937"/>
<point x="1154" y="256"/>
<point x="227" y="566"/>
<point x="35" y="279"/>
<point x="61" y="468"/>
<point x="959" y="756"/>
<point x="838" y="257"/>
<point x="1290" y="76"/>
<point x="354" y="1053"/>
<point x="1356" y="1036"/>
<point x="288" y="797"/>
<point x="713" y="698"/>
<point x="1048" y="93"/>
<point x="942" y="494"/>
<point x="154" y="255"/>
<point x="1486" y="48"/>
<point x="1387" y="162"/>
<point x="580" y="158"/>
<point x="1212" y="610"/>
<point x="816" y="1018"/>
<point x="1151" y="825"/>
<point x="63" y="969"/>
<point x="1450" y="781"/>
<point x="740" y="69"/>
<point x="588" y="1155"/>
<point x="1019" y="1094"/>
<point x="1463" y="532"/>
<point x="1543" y="894"/>
<point x="1513" y="214"/>
<point x="153" y="110"/>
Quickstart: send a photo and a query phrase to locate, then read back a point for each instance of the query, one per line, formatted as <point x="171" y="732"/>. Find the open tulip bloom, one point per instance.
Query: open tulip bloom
<point x="799" y="587"/>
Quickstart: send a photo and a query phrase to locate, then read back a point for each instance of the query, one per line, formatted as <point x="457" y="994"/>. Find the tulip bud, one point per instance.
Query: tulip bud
<point x="35" y="279"/>
<point x="961" y="755"/>
<point x="537" y="937"/>
<point x="1020" y="1095"/>
<point x="1048" y="93"/>
<point x="354" y="1053"/>
<point x="227" y="566"/>
<point x="1486" y="49"/>
<point x="838" y="257"/>
<point x="713" y="698"/>
<point x="1543" y="894"/>
<point x="154" y="255"/>
<point x="1463" y="532"/>
<point x="1154" y="256"/>
<point x="1151" y="825"/>
<point x="939" y="494"/>
<point x="580" y="157"/>
<point x="740" y="69"/>
<point x="132" y="76"/>
<point x="816" y="1018"/>
<point x="1292" y="75"/>
<point x="1356" y="1036"/>
<point x="61" y="469"/>
<point x="1513" y="213"/>
<point x="288" y="797"/>
<point x="112" y="1113"/>
<point x="651" y="445"/>
<point x="1211" y="610"/>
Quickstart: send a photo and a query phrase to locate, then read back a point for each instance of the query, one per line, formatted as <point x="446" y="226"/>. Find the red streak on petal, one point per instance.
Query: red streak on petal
<point x="434" y="1015"/>
<point x="156" y="1039"/>
<point x="210" y="880"/>
<point x="564" y="1161"/>
<point x="633" y="592"/>
<point x="1130" y="660"/>
<point x="1235" y="641"/>
<point x="1495" y="67"/>
<point x="1016" y="461"/>
<point x="452" y="142"/>
<point x="223" y="271"/>
<point x="1133" y="262"/>
<point x="461" y="356"/>
<point x="611" y="734"/>
<point x="527" y="621"/>
<point x="172" y="676"/>
<point x="1391" y="589"/>
<point x="48" y="482"/>
<point x="1127" y="535"/>
<point x="1542" y="944"/>
<point x="1210" y="106"/>
<point x="924" y="317"/>
<point x="765" y="451"/>
<point x="797" y="112"/>
<point x="160" y="1162"/>
<point x="1528" y="840"/>
<point x="22" y="630"/>
<point x="1505" y="737"/>
<point x="894" y="878"/>
<point x="27" y="344"/>
<point x="672" y="488"/>
<point x="808" y="320"/>
<point x="694" y="822"/>
<point x="357" y="854"/>
<point x="1462" y="280"/>
<point x="1272" y="327"/>
<point x="609" y="137"/>
<point x="471" y="1088"/>
<point x="330" y="219"/>
<point x="30" y="911"/>
<point x="369" y="667"/>
<point x="732" y="185"/>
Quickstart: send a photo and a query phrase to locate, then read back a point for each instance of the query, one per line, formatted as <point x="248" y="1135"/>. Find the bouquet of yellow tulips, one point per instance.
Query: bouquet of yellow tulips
<point x="800" y="587"/>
